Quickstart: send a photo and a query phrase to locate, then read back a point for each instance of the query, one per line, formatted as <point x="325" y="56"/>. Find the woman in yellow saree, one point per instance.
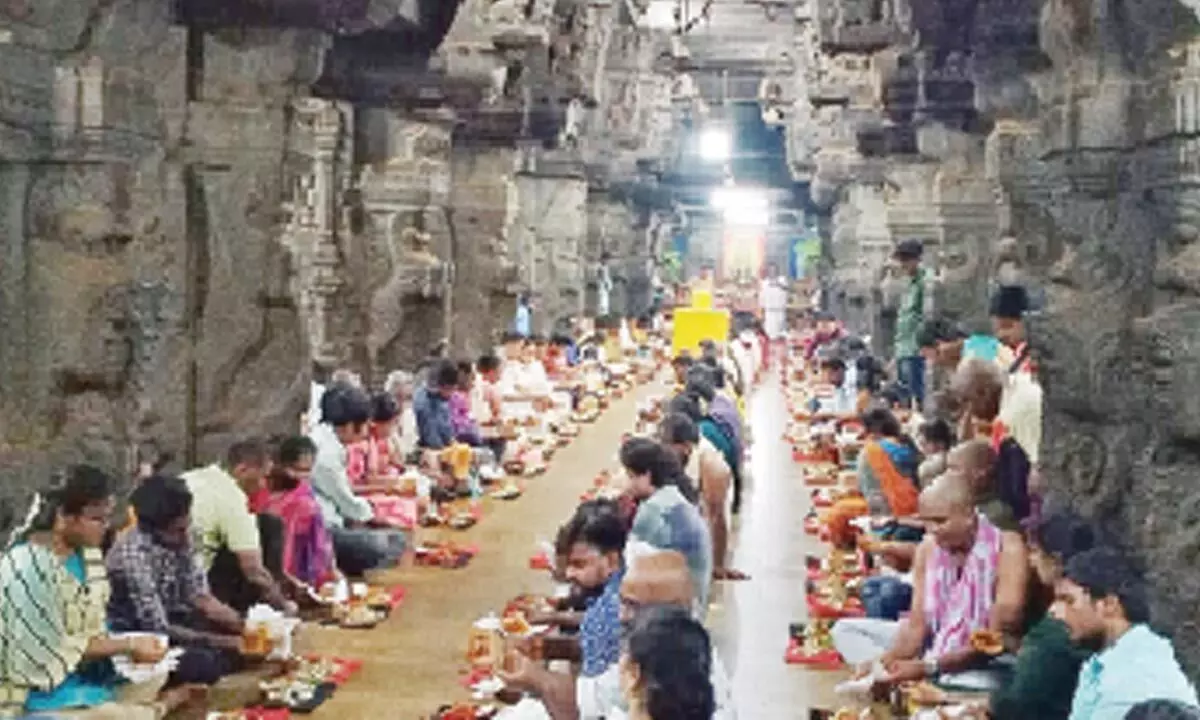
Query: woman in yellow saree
<point x="886" y="468"/>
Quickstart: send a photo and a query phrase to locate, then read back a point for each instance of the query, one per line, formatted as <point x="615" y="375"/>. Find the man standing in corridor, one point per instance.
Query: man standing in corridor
<point x="910" y="366"/>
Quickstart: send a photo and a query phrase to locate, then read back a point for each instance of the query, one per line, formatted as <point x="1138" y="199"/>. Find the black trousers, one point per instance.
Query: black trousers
<point x="226" y="579"/>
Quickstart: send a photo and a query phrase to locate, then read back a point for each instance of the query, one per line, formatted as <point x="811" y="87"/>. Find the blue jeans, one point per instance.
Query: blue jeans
<point x="361" y="549"/>
<point x="911" y="374"/>
<point x="885" y="598"/>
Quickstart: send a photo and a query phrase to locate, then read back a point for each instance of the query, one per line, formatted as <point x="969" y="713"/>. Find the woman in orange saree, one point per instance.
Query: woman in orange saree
<point x="886" y="468"/>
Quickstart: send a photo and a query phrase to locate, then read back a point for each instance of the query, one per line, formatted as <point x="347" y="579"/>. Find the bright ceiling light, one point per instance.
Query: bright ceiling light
<point x="660" y="15"/>
<point x="715" y="144"/>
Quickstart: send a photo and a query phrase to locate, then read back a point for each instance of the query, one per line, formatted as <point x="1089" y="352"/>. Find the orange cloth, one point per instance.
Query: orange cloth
<point x="837" y="519"/>
<point x="900" y="491"/>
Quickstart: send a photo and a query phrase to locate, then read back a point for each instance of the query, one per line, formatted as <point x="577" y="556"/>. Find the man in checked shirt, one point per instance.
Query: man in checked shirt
<point x="159" y="586"/>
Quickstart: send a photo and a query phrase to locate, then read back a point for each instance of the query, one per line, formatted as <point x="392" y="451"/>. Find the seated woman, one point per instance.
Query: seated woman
<point x="968" y="576"/>
<point x="308" y="557"/>
<point x="378" y="468"/>
<point x="55" y="650"/>
<point x="666" y="667"/>
<point x="886" y="468"/>
<point x="936" y="439"/>
<point x="1047" y="669"/>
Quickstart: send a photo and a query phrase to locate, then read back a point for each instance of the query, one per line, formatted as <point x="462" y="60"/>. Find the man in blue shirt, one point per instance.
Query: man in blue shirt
<point x="594" y="540"/>
<point x="431" y="406"/>
<point x="1102" y="599"/>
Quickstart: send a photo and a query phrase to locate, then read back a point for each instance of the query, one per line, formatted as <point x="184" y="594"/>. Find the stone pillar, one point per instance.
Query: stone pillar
<point x="551" y="233"/>
<point x="485" y="214"/>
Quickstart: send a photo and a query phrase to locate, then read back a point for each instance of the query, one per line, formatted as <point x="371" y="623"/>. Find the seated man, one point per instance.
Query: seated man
<point x="595" y="537"/>
<point x="660" y="578"/>
<point x="981" y="386"/>
<point x="523" y="382"/>
<point x="967" y="576"/>
<point x="237" y="547"/>
<point x="159" y="587"/>
<point x="844" y="400"/>
<point x="54" y="646"/>
<point x="435" y="422"/>
<point x="1102" y="599"/>
<point x="488" y="404"/>
<point x="360" y="544"/>
<point x="975" y="461"/>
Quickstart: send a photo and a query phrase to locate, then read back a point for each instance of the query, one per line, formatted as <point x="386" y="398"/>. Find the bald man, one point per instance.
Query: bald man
<point x="652" y="579"/>
<point x="958" y="536"/>
<point x="975" y="461"/>
<point x="981" y="386"/>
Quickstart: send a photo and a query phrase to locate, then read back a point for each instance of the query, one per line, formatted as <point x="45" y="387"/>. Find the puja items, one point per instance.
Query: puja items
<point x="812" y="645"/>
<point x="485" y="644"/>
<point x="458" y="458"/>
<point x="832" y="598"/>
<point x="824" y="475"/>
<point x="466" y="711"/>
<point x="444" y="554"/>
<point x="588" y="409"/>
<point x="268" y="633"/>
<point x="509" y="491"/>
<point x="309" y="683"/>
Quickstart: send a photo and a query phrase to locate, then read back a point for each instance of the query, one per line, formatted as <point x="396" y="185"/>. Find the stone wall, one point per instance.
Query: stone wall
<point x="1069" y="127"/>
<point x="146" y="305"/>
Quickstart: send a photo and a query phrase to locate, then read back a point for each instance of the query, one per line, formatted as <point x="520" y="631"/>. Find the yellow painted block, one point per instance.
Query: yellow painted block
<point x="693" y="325"/>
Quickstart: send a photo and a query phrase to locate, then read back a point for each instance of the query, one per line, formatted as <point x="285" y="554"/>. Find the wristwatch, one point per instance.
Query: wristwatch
<point x="931" y="668"/>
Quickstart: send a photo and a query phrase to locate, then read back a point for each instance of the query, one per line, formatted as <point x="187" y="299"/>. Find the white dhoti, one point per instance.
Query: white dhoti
<point x="775" y="323"/>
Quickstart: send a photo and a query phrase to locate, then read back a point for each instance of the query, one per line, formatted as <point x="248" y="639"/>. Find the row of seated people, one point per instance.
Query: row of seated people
<point x="971" y="554"/>
<point x="663" y="542"/>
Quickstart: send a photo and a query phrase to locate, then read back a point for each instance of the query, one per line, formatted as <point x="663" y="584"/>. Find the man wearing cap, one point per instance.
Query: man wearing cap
<point x="910" y="316"/>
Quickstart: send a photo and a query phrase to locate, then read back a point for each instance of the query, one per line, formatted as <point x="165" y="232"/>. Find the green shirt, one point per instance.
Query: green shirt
<point x="1044" y="678"/>
<point x="909" y="317"/>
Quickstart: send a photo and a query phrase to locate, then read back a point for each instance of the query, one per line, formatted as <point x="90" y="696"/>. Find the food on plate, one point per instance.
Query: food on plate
<point x="466" y="711"/>
<point x="461" y="521"/>
<point x="458" y="458"/>
<point x="515" y="624"/>
<point x="256" y="641"/>
<point x="360" y="616"/>
<point x="988" y="642"/>
<point x="926" y="694"/>
<point x="508" y="492"/>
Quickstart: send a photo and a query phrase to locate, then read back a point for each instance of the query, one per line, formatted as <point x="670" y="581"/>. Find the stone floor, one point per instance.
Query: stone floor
<point x="413" y="660"/>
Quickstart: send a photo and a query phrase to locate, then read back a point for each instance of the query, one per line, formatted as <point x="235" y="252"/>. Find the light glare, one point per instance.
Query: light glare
<point x="715" y="145"/>
<point x="725" y="198"/>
